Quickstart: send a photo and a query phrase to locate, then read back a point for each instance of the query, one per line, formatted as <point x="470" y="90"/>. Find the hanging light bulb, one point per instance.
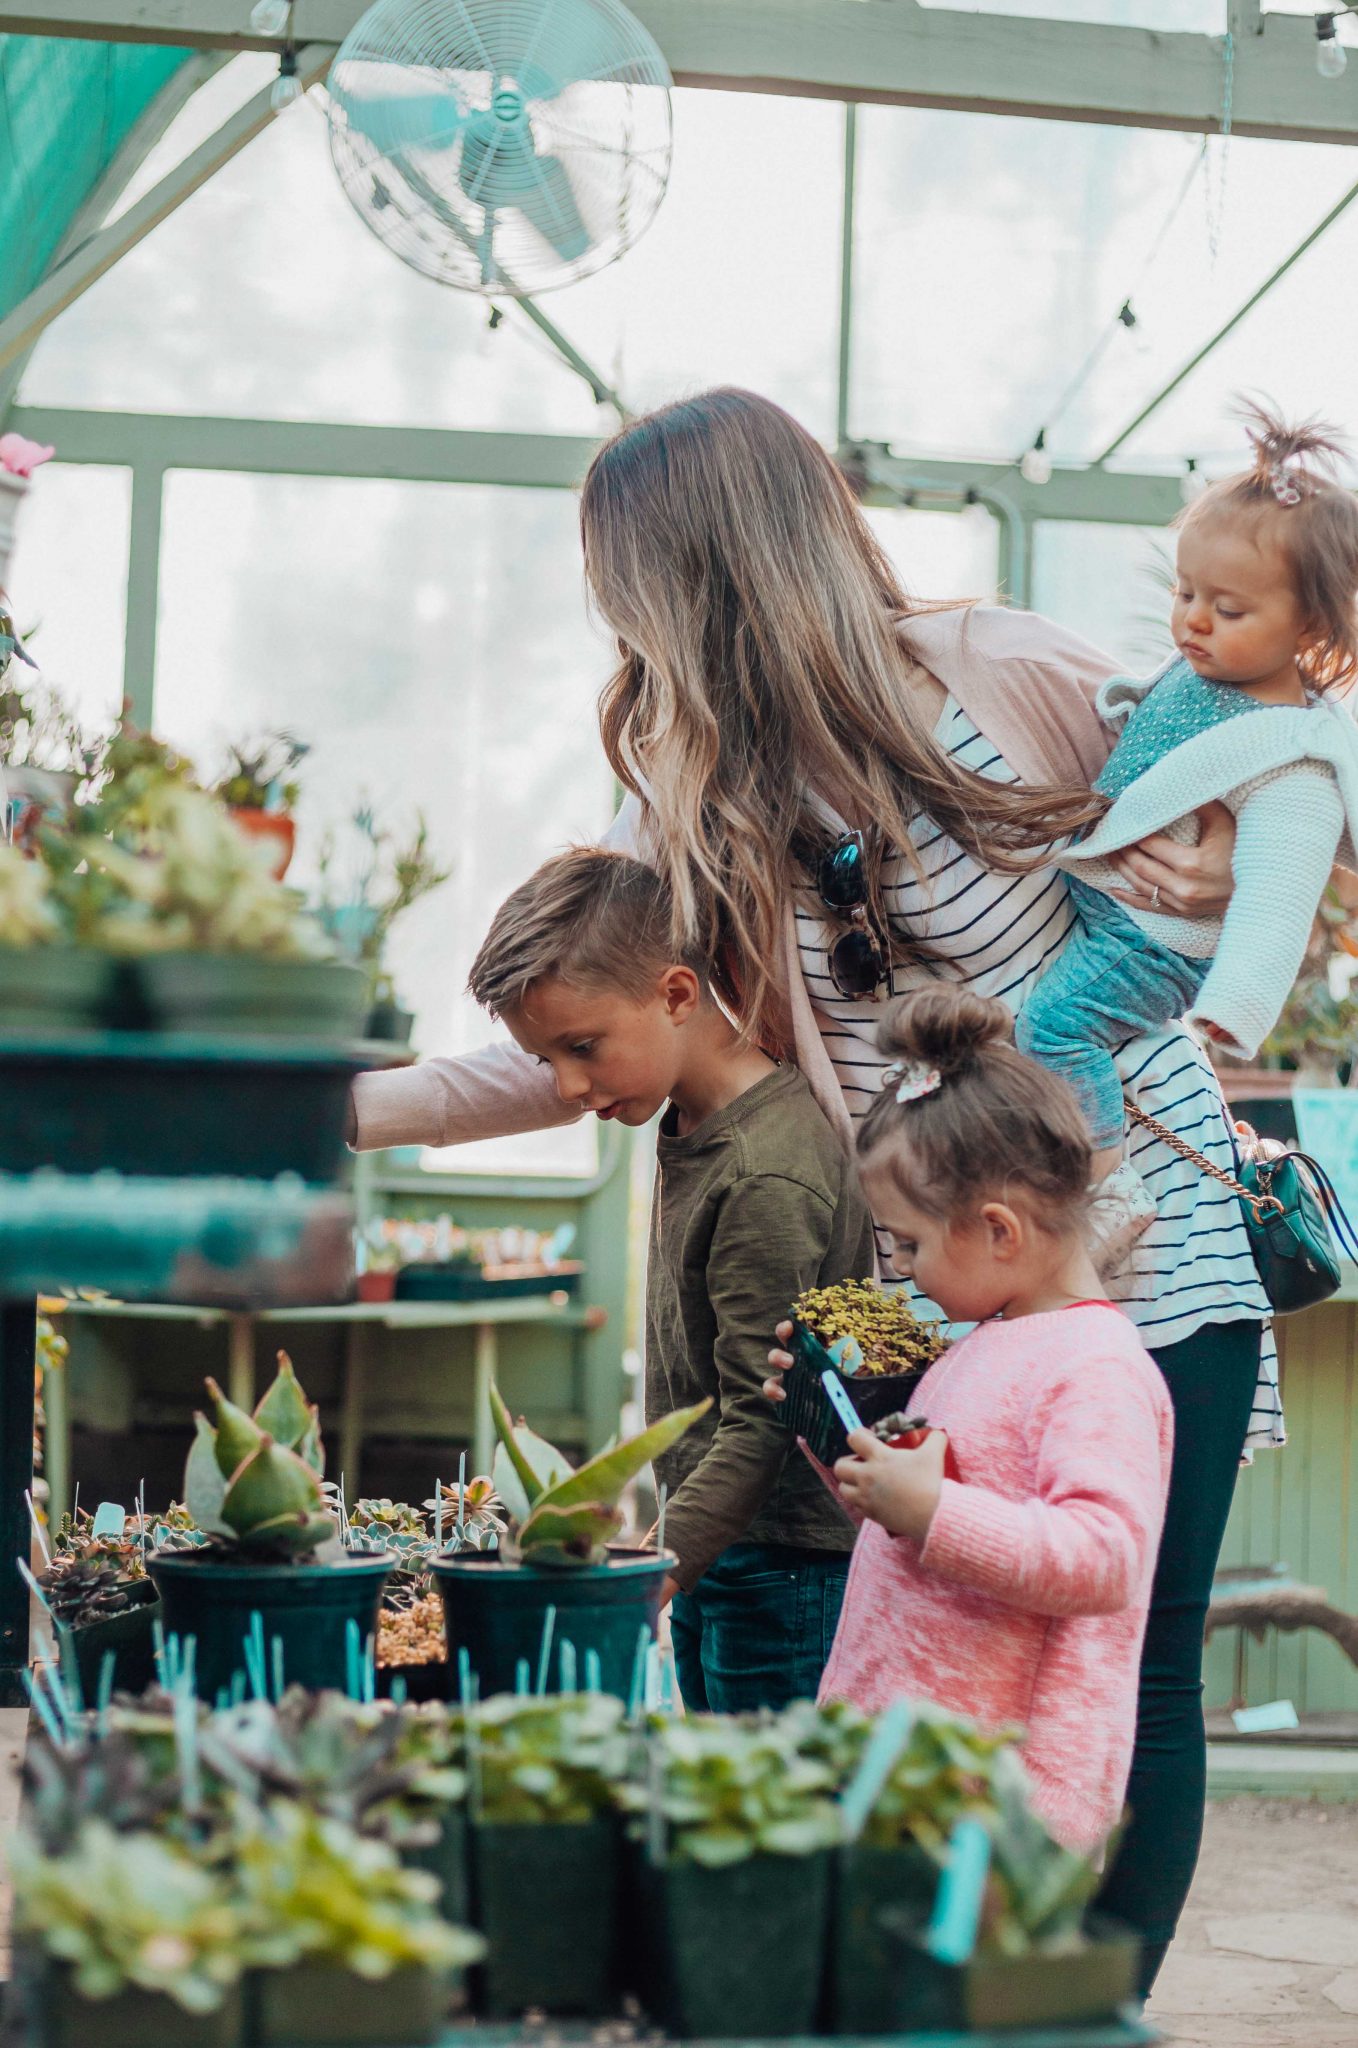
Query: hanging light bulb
<point x="287" y="87"/>
<point x="270" y="17"/>
<point x="1036" y="466"/>
<point x="1193" y="483"/>
<point x="1331" y="56"/>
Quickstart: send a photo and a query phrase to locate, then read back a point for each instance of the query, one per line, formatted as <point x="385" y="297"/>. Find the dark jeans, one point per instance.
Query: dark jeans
<point x="756" y="1630"/>
<point x="1211" y="1378"/>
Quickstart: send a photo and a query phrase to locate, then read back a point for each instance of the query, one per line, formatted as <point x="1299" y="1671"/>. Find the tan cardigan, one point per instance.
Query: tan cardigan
<point x="1025" y="683"/>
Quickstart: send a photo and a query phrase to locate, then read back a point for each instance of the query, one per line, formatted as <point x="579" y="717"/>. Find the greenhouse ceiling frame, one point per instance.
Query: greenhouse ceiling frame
<point x="892" y="52"/>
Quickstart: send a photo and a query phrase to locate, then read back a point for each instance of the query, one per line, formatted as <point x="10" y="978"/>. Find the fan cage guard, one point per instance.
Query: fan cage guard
<point x="502" y="146"/>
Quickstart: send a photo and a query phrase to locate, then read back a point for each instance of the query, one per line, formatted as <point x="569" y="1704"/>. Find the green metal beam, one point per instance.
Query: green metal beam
<point x="1098" y="496"/>
<point x="891" y="51"/>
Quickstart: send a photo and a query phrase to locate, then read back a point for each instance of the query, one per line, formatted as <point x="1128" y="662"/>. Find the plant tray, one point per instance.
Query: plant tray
<point x="172" y="1104"/>
<point x="489" y="1283"/>
<point x="59" y="2017"/>
<point x="806" y="1411"/>
<point x="994" y="1992"/>
<point x="319" y="2005"/>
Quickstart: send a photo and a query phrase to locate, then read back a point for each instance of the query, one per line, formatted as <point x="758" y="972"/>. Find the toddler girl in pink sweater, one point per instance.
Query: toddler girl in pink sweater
<point x="1018" y="1592"/>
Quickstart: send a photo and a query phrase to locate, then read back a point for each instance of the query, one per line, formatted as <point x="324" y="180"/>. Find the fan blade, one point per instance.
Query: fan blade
<point x="396" y="125"/>
<point x="548" y="203"/>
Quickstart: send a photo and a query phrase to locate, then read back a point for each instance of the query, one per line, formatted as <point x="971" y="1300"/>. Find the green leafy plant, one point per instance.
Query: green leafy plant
<point x="948" y="1769"/>
<point x="343" y="1898"/>
<point x="727" y="1788"/>
<point x="1037" y="1891"/>
<point x="253" y="1482"/>
<point x="539" y="1761"/>
<point x="259" y="773"/>
<point x="390" y="876"/>
<point x="566" y="1517"/>
<point x="136" y="1909"/>
<point x="28" y="914"/>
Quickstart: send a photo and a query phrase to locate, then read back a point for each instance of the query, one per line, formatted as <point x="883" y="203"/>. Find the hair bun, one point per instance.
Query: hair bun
<point x="944" y="1027"/>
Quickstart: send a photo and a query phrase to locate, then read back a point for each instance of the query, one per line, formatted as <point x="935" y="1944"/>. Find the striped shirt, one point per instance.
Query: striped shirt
<point x="997" y="934"/>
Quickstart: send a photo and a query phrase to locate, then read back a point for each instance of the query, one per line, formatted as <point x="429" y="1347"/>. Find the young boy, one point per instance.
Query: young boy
<point x="754" y="1201"/>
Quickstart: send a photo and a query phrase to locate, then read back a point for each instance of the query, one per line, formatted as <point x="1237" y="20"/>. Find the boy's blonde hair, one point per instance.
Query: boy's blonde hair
<point x="594" y="918"/>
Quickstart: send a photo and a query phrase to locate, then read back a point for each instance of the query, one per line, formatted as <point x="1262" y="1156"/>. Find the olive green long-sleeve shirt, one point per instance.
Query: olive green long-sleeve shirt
<point x="757" y="1203"/>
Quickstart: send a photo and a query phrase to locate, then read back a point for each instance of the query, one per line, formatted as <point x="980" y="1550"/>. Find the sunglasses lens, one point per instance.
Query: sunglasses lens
<point x="856" y="964"/>
<point x="842" y="878"/>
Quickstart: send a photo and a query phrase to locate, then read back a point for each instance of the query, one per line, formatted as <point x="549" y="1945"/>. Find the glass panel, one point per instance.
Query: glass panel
<point x="1110" y="583"/>
<point x="68" y="581"/>
<point x="1206" y="17"/>
<point x="430" y="641"/>
<point x="940" y="554"/>
<point x="265" y="296"/>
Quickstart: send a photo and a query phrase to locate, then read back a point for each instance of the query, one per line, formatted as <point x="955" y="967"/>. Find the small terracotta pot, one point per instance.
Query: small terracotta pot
<point x="377" y="1286"/>
<point x="279" y="828"/>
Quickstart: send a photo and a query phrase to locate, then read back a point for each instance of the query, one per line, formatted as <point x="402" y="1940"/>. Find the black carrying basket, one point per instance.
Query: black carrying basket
<point x="806" y="1409"/>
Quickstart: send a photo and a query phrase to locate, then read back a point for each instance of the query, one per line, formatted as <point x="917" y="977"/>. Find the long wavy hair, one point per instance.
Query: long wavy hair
<point x="757" y="623"/>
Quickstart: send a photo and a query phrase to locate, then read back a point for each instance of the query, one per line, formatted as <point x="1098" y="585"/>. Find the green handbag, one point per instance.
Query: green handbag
<point x="1292" y="1214"/>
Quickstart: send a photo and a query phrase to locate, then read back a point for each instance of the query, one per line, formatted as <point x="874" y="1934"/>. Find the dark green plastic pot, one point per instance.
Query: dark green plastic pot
<point x="805" y="1408"/>
<point x="736" y="1952"/>
<point x="223" y="992"/>
<point x="446" y="1859"/>
<point x="53" y="988"/>
<point x="865" y="1883"/>
<point x="308" y="1606"/>
<point x="546" y="1900"/>
<point x="319" y="2005"/>
<point x="140" y="1102"/>
<point x="128" y="1635"/>
<point x="992" y="1992"/>
<point x="59" y="2017"/>
<point x="497" y="1611"/>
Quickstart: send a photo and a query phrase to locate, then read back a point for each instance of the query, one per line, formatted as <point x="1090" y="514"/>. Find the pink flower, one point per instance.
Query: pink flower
<point x="21" y="457"/>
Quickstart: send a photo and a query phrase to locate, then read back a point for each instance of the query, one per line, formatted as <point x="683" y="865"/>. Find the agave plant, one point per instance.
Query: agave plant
<point x="566" y="1517"/>
<point x="253" y="1482"/>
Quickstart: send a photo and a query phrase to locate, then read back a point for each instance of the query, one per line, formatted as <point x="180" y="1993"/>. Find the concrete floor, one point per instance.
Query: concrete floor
<point x="1267" y="1955"/>
<point x="1268" y="1950"/>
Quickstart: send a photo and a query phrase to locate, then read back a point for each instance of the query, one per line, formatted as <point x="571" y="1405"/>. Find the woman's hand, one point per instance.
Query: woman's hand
<point x="1181" y="881"/>
<point x="781" y="1362"/>
<point x="897" y="1489"/>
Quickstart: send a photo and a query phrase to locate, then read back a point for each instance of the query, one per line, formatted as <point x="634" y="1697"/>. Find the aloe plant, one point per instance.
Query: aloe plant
<point x="566" y="1517"/>
<point x="254" y="1481"/>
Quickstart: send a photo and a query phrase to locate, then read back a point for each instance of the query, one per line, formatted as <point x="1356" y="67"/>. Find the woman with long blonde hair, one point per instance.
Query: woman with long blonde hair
<point x="851" y="793"/>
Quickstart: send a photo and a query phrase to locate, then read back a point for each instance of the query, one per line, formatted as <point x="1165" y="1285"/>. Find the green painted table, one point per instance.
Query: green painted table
<point x="1127" y="2033"/>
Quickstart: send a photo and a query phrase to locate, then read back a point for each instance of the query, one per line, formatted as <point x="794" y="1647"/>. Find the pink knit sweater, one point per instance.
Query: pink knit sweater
<point x="1027" y="1601"/>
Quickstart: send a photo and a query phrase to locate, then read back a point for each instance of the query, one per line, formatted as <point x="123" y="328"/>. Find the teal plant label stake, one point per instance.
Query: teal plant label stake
<point x="885" y="1747"/>
<point x="840" y="1402"/>
<point x="956" y="1916"/>
<point x="109" y="1521"/>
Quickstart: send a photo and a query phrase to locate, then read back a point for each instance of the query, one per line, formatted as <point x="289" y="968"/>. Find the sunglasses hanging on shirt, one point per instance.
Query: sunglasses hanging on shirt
<point x="857" y="960"/>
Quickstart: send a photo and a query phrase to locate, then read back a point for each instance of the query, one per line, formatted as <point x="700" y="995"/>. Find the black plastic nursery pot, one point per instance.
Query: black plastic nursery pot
<point x="58" y="2017"/>
<point x="805" y="1409"/>
<point x="307" y="1607"/>
<point x="866" y="1882"/>
<point x="447" y="1859"/>
<point x="991" y="1993"/>
<point x="736" y="1952"/>
<point x="421" y="1681"/>
<point x="139" y="1102"/>
<point x="53" y="988"/>
<point x="127" y="1635"/>
<point x="320" y="2005"/>
<point x="546" y="1898"/>
<point x="497" y="1612"/>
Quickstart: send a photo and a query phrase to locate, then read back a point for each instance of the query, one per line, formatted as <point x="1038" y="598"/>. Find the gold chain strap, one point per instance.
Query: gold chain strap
<point x="1259" y="1203"/>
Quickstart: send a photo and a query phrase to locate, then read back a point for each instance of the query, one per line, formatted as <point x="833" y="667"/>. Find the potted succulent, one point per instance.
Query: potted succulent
<point x="275" y="1580"/>
<point x="260" y="791"/>
<point x="374" y="1962"/>
<point x="1040" y="1960"/>
<point x="872" y="1339"/>
<point x="127" y="1940"/>
<point x="544" y="1826"/>
<point x="390" y="877"/>
<point x="734" y="1824"/>
<point x="558" y="1575"/>
<point x="98" y="1593"/>
<point x="945" y="1769"/>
